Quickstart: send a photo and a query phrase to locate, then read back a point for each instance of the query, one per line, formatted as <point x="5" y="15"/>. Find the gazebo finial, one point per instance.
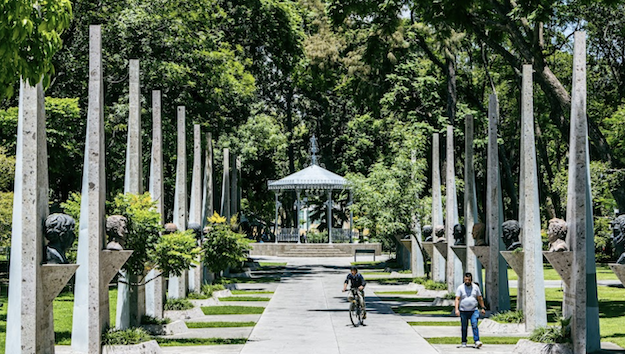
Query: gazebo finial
<point x="314" y="149"/>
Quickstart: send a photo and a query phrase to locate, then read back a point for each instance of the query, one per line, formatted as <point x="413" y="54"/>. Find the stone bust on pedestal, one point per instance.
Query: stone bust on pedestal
<point x="479" y="234"/>
<point x="197" y="231"/>
<point x="60" y="236"/>
<point x="439" y="231"/>
<point x="557" y="235"/>
<point x="116" y="230"/>
<point x="459" y="235"/>
<point x="427" y="233"/>
<point x="511" y="230"/>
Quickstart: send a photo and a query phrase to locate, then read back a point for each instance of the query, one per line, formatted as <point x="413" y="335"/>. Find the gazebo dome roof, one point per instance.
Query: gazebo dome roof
<point x="312" y="177"/>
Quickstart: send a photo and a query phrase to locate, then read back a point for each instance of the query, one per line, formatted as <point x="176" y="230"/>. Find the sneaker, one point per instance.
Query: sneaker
<point x="464" y="345"/>
<point x="478" y="344"/>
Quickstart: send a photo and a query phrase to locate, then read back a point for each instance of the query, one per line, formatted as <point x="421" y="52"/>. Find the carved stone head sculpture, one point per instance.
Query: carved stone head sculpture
<point x="459" y="235"/>
<point x="618" y="237"/>
<point x="60" y="236"/>
<point x="479" y="234"/>
<point x="427" y="233"/>
<point x="557" y="235"/>
<point x="511" y="231"/>
<point x="197" y="231"/>
<point x="116" y="230"/>
<point x="170" y="228"/>
<point x="439" y="231"/>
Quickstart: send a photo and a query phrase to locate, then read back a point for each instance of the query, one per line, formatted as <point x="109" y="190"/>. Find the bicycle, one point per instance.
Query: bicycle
<point x="355" y="308"/>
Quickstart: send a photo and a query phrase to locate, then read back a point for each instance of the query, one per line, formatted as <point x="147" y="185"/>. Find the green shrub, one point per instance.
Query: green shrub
<point x="6" y="218"/>
<point x="196" y="296"/>
<point x="560" y="333"/>
<point x="149" y="320"/>
<point x="129" y="336"/>
<point x="222" y="247"/>
<point x="509" y="317"/>
<point x="7" y="170"/>
<point x="314" y="236"/>
<point x="208" y="289"/>
<point x="178" y="305"/>
<point x="449" y="296"/>
<point x="434" y="285"/>
<point x="420" y="280"/>
<point x="174" y="253"/>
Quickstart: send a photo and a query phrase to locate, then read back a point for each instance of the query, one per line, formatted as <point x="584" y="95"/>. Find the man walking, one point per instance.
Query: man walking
<point x="468" y="295"/>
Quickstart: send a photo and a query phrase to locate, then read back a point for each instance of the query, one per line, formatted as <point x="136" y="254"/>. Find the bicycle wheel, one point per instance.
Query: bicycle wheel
<point x="353" y="316"/>
<point x="359" y="315"/>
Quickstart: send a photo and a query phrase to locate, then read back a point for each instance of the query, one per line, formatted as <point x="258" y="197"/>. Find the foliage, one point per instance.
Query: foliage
<point x="449" y="296"/>
<point x="219" y="324"/>
<point x="223" y="248"/>
<point x="316" y="236"/>
<point x="560" y="333"/>
<point x="208" y="289"/>
<point x="509" y="317"/>
<point x="173" y="253"/>
<point x="144" y="225"/>
<point x="233" y="310"/>
<point x="433" y="285"/>
<point x="178" y="305"/>
<point x="149" y="320"/>
<point x="6" y="218"/>
<point x="30" y="34"/>
<point x="129" y="336"/>
<point x="7" y="170"/>
<point x="65" y="136"/>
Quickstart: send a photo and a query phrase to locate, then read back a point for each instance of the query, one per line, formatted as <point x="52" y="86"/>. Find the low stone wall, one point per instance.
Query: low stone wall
<point x="276" y="249"/>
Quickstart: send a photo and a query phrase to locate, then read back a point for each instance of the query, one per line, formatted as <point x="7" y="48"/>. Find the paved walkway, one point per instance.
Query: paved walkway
<point x="308" y="314"/>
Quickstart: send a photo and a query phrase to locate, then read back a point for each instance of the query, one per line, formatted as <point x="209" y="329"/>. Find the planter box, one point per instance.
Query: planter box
<point x="525" y="346"/>
<point x="150" y="347"/>
<point x="439" y="301"/>
<point x="491" y="326"/>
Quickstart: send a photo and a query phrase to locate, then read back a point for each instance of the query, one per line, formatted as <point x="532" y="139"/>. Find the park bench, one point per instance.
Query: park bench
<point x="356" y="251"/>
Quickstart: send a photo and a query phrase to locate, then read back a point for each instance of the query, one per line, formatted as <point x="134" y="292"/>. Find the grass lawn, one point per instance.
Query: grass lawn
<point x="390" y="280"/>
<point x="272" y="264"/>
<point x="436" y="323"/>
<point x="250" y="292"/>
<point x="375" y="273"/>
<point x="407" y="299"/>
<point x="219" y="324"/>
<point x="247" y="280"/>
<point x="603" y="273"/>
<point x="232" y="310"/>
<point x="410" y="292"/>
<point x="244" y="298"/>
<point x="424" y="310"/>
<point x="182" y="342"/>
<point x="485" y="340"/>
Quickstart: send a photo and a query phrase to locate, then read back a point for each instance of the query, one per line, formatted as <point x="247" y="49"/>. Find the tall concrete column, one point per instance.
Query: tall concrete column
<point x="32" y="285"/>
<point x="329" y="215"/>
<point x="177" y="287"/>
<point x="195" y="209"/>
<point x="581" y="301"/>
<point x="535" y="308"/>
<point x="438" y="261"/>
<point x="96" y="267"/>
<point x="207" y="186"/>
<point x="129" y="302"/>
<point x="239" y="181"/>
<point x="234" y="185"/>
<point x="497" y="292"/>
<point x="473" y="266"/>
<point x="417" y="265"/>
<point x="297" y="210"/>
<point x="225" y="187"/>
<point x="155" y="285"/>
<point x="454" y="265"/>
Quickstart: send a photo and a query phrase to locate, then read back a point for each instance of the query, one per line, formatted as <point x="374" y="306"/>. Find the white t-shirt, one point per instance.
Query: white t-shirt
<point x="468" y="296"/>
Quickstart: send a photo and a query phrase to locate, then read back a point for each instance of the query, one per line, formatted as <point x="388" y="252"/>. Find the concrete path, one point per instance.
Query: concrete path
<point x="308" y="314"/>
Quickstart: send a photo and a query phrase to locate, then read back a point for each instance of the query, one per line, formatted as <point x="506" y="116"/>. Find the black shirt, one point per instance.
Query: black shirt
<point x="356" y="280"/>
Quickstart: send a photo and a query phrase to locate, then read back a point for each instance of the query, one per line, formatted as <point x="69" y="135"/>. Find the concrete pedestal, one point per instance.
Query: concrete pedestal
<point x="442" y="249"/>
<point x="461" y="253"/>
<point x="429" y="248"/>
<point x="562" y="262"/>
<point x="515" y="260"/>
<point x="482" y="253"/>
<point x="619" y="270"/>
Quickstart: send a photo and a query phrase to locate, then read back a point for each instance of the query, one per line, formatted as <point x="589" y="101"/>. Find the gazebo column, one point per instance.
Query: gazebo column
<point x="351" y="217"/>
<point x="298" y="193"/>
<point x="275" y="225"/>
<point x="329" y="216"/>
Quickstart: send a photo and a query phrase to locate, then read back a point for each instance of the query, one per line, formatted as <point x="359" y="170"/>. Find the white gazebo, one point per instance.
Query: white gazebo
<point x="313" y="177"/>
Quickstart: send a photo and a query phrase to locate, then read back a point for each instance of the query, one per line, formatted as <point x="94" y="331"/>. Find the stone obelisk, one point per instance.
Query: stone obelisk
<point x="225" y="187"/>
<point x="234" y="184"/>
<point x="154" y="282"/>
<point x="497" y="292"/>
<point x="32" y="286"/>
<point x="580" y="298"/>
<point x="195" y="209"/>
<point x="454" y="265"/>
<point x="473" y="266"/>
<point x="417" y="266"/>
<point x="207" y="186"/>
<point x="97" y="267"/>
<point x="535" y="308"/>
<point x="177" y="287"/>
<point x="438" y="261"/>
<point x="128" y="301"/>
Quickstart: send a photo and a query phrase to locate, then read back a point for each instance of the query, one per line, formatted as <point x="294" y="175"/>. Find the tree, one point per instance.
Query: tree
<point x="223" y="248"/>
<point x="30" y="34"/>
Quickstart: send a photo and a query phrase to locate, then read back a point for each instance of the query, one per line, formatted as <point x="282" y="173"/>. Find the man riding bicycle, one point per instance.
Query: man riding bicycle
<point x="357" y="281"/>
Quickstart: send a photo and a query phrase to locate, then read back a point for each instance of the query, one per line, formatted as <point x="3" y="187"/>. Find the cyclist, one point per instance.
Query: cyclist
<point x="357" y="281"/>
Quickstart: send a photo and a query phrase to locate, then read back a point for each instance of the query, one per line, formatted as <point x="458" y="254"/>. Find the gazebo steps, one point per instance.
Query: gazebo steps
<point x="313" y="250"/>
